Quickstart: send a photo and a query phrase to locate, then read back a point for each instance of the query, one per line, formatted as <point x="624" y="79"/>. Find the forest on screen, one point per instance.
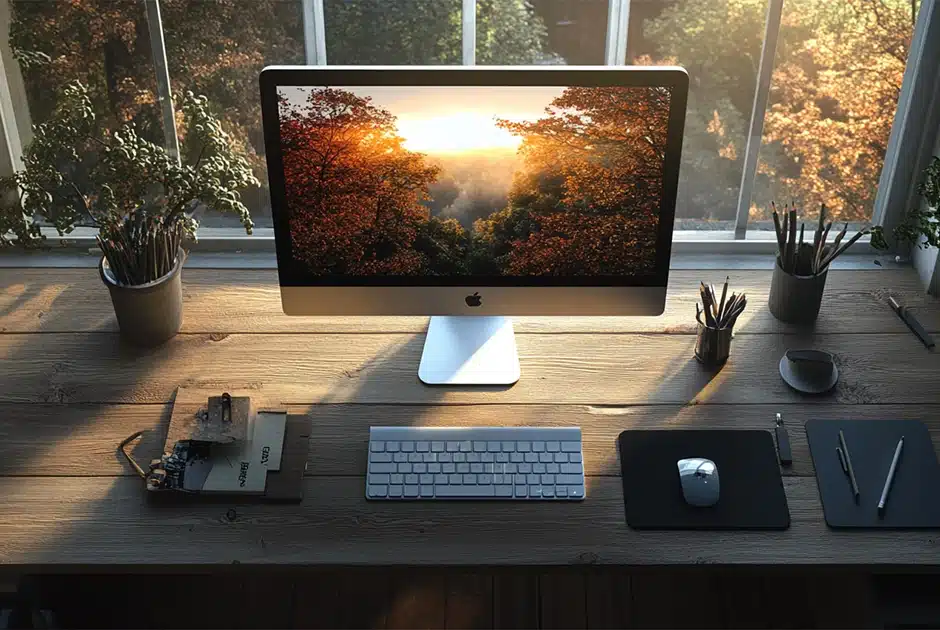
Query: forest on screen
<point x="581" y="197"/>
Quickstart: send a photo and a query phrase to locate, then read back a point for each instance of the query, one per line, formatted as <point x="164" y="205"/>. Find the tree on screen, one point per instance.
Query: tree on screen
<point x="354" y="192"/>
<point x="586" y="200"/>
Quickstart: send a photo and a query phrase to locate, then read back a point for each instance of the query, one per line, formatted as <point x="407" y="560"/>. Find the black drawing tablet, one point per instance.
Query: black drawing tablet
<point x="912" y="502"/>
<point x="751" y="496"/>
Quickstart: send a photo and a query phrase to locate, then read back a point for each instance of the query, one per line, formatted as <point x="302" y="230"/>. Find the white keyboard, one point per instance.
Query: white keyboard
<point x="492" y="463"/>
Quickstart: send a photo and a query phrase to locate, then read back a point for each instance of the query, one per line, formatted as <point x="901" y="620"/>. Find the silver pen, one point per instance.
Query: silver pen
<point x="890" y="479"/>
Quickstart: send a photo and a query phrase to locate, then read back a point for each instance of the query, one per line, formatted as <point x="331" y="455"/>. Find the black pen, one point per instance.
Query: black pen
<point x="847" y="461"/>
<point x="908" y="318"/>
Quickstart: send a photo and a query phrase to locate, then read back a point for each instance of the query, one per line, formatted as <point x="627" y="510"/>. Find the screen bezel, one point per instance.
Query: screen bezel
<point x="292" y="273"/>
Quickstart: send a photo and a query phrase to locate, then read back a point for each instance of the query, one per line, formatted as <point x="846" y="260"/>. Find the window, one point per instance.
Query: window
<point x="790" y="100"/>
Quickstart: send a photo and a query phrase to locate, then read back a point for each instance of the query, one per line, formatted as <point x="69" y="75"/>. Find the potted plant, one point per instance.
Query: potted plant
<point x="801" y="266"/>
<point x="139" y="196"/>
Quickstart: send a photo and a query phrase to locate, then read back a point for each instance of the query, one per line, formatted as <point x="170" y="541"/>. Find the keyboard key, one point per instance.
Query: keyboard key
<point x="434" y="468"/>
<point x="553" y="468"/>
<point x="404" y="468"/>
<point x="547" y="491"/>
<point x="517" y="457"/>
<point x="474" y="457"/>
<point x="380" y="457"/>
<point x="571" y="447"/>
<point x="545" y="457"/>
<point x="511" y="468"/>
<point x="535" y="491"/>
<point x="396" y="480"/>
<point x="485" y="479"/>
<point x="400" y="457"/>
<point x="526" y="468"/>
<point x="437" y="447"/>
<point x="552" y="447"/>
<point x="502" y="458"/>
<point x="509" y="447"/>
<point x="446" y="457"/>
<point x="533" y="479"/>
<point x="498" y="479"/>
<point x="488" y="458"/>
<point x="568" y="479"/>
<point x="377" y="447"/>
<point x="394" y="491"/>
<point x="382" y="468"/>
<point x="561" y="491"/>
<point x="427" y="458"/>
<point x="455" y="479"/>
<point x="538" y="447"/>
<point x="576" y="491"/>
<point x="546" y="480"/>
<point x="531" y="457"/>
<point x="411" y="492"/>
<point x="380" y="480"/>
<point x="489" y="468"/>
<point x="466" y="446"/>
<point x="463" y="468"/>
<point x="453" y="447"/>
<point x="449" y="468"/>
<point x="561" y="458"/>
<point x="479" y="447"/>
<point x="378" y="491"/>
<point x="408" y="447"/>
<point x="469" y="480"/>
<point x="476" y="468"/>
<point x="392" y="447"/>
<point x="446" y="492"/>
<point x="440" y="479"/>
<point x="493" y="447"/>
<point x="524" y="447"/>
<point x="521" y="491"/>
<point x="411" y="480"/>
<point x="427" y="491"/>
<point x="519" y="479"/>
<point x="504" y="491"/>
<point x="539" y="468"/>
<point x="414" y="457"/>
<point x="426" y="479"/>
<point x="460" y="457"/>
<point x="422" y="447"/>
<point x="574" y="469"/>
<point x="575" y="457"/>
<point x="420" y="468"/>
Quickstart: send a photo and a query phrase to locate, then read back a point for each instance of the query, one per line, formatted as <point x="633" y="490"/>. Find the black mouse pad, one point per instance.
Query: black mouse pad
<point x="751" y="492"/>
<point x="912" y="501"/>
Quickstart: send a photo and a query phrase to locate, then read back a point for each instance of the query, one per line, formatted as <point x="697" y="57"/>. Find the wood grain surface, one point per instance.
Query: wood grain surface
<point x="71" y="391"/>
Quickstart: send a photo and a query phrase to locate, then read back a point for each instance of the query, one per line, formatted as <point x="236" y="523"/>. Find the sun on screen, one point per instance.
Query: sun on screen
<point x="462" y="132"/>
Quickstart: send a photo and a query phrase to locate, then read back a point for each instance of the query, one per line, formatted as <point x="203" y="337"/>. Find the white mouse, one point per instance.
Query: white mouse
<point x="699" y="478"/>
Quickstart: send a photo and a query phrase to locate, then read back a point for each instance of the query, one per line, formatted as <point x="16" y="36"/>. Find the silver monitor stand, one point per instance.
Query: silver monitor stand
<point x="462" y="350"/>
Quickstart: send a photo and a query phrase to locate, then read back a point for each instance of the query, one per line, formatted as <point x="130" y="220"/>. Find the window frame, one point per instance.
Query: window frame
<point x="908" y="147"/>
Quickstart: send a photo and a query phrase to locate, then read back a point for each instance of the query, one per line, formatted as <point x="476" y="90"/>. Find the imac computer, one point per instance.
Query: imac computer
<point x="473" y="195"/>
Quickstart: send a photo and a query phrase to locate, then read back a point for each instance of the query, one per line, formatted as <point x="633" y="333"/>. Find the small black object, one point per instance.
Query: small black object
<point x="783" y="443"/>
<point x="908" y="318"/>
<point x="752" y="494"/>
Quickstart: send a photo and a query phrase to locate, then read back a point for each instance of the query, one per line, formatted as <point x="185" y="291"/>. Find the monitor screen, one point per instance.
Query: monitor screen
<point x="473" y="182"/>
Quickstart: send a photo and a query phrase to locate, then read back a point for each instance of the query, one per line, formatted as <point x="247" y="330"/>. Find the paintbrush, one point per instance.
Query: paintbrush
<point x="799" y="250"/>
<point x="791" y="242"/>
<point x="781" y="243"/>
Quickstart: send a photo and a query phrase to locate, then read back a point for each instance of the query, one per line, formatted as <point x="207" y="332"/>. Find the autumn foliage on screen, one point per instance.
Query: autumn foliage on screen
<point x="584" y="199"/>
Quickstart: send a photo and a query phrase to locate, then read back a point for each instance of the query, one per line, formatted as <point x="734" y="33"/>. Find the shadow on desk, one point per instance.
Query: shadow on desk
<point x="698" y="597"/>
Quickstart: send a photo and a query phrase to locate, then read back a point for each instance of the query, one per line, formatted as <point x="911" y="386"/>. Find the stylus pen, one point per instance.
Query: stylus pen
<point x="890" y="479"/>
<point x="908" y="318"/>
<point x="848" y="465"/>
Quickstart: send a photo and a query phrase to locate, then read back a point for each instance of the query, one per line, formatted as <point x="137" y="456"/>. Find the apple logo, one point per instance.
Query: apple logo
<point x="474" y="300"/>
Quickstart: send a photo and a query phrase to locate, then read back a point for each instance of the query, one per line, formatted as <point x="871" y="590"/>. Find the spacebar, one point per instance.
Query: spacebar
<point x="452" y="492"/>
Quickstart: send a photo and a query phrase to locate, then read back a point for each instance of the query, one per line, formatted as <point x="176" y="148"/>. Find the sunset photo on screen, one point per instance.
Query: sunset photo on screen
<point x="474" y="181"/>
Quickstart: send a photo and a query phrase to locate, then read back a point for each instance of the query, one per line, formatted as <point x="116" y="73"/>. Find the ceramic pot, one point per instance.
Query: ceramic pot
<point x="148" y="314"/>
<point x="796" y="299"/>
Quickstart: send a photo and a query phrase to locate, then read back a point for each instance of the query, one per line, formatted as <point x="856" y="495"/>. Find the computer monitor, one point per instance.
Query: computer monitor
<point x="471" y="195"/>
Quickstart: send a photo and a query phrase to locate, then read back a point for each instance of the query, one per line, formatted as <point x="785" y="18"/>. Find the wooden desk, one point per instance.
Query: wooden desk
<point x="70" y="392"/>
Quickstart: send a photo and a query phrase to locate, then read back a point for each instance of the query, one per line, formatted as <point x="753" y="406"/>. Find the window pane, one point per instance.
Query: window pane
<point x="574" y="31"/>
<point x="719" y="43"/>
<point x="836" y="82"/>
<point x="217" y="48"/>
<point x="103" y="43"/>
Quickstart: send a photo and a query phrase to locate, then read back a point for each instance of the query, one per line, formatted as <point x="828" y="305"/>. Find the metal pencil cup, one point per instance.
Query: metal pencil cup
<point x="713" y="345"/>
